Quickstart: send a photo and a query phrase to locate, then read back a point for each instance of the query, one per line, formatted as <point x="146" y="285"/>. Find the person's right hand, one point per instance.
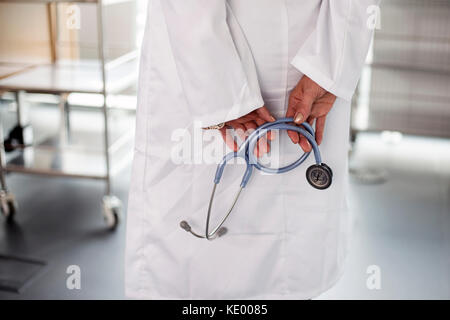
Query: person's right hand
<point x="309" y="102"/>
<point x="245" y="125"/>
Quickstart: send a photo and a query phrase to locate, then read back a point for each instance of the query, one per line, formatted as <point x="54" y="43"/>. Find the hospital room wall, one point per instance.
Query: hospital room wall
<point x="410" y="72"/>
<point x="120" y="32"/>
<point x="27" y="36"/>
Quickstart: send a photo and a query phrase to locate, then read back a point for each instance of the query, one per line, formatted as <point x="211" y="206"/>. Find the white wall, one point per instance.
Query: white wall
<point x="25" y="32"/>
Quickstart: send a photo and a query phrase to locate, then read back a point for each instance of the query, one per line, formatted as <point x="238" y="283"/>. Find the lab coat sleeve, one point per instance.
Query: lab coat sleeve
<point x="334" y="54"/>
<point x="213" y="60"/>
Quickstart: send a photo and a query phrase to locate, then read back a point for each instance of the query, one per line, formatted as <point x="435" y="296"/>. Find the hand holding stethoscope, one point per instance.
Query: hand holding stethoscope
<point x="307" y="101"/>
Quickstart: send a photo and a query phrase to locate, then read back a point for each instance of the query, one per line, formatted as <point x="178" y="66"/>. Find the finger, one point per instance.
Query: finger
<point x="290" y="114"/>
<point x="323" y="105"/>
<point x="262" y="145"/>
<point x="228" y="138"/>
<point x="259" y="121"/>
<point x="250" y="127"/>
<point x="294" y="136"/>
<point x="304" y="144"/>
<point x="320" y="128"/>
<point x="269" y="134"/>
<point x="238" y="128"/>
<point x="240" y="131"/>
<point x="264" y="114"/>
<point x="320" y="109"/>
<point x="301" y="100"/>
<point x="303" y="107"/>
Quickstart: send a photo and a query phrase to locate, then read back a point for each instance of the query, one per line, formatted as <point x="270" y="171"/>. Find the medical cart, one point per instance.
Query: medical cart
<point x="62" y="78"/>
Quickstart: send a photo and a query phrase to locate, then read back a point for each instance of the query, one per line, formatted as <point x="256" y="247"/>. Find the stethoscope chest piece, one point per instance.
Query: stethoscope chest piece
<point x="319" y="176"/>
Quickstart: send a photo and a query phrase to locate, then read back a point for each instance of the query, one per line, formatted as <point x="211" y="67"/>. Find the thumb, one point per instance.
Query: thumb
<point x="303" y="108"/>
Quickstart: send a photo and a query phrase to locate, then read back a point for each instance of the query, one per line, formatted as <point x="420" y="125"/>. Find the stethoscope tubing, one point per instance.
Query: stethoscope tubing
<point x="246" y="150"/>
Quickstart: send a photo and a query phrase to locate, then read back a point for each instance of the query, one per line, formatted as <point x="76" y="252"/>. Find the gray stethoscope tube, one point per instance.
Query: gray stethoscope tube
<point x="318" y="175"/>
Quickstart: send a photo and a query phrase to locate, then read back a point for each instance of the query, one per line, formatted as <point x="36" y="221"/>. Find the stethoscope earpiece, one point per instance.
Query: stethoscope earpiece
<point x="318" y="175"/>
<point x="220" y="232"/>
<point x="185" y="225"/>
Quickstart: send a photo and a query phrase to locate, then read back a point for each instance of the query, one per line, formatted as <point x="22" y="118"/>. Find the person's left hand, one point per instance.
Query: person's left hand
<point x="308" y="102"/>
<point x="245" y="125"/>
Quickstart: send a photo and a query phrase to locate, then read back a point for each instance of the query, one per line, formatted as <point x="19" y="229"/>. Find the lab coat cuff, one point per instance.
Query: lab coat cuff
<point x="235" y="112"/>
<point x="322" y="80"/>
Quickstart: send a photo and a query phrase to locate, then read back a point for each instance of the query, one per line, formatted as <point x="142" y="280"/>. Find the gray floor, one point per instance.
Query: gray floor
<point x="60" y="220"/>
<point x="402" y="226"/>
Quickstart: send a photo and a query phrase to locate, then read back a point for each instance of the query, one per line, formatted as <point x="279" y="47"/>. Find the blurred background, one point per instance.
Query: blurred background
<point x="68" y="75"/>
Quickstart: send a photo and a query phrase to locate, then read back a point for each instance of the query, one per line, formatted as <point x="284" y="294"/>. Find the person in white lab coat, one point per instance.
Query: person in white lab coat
<point x="242" y="63"/>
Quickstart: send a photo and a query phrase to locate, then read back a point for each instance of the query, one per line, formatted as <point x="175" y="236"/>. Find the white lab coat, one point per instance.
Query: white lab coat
<point x="208" y="61"/>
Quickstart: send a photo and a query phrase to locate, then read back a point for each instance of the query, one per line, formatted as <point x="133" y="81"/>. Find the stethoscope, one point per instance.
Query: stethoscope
<point x="318" y="175"/>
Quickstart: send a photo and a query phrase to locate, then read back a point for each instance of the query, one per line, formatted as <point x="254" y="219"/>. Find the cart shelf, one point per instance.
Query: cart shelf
<point x="53" y="159"/>
<point x="84" y="76"/>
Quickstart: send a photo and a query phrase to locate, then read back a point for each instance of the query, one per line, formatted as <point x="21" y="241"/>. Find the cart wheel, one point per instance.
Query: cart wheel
<point x="319" y="176"/>
<point x="112" y="208"/>
<point x="19" y="136"/>
<point x="8" y="205"/>
<point x="112" y="218"/>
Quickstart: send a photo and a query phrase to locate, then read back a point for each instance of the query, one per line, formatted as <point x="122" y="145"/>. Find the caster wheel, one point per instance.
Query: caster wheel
<point x="319" y="176"/>
<point x="112" y="209"/>
<point x="112" y="218"/>
<point x="8" y="205"/>
<point x="19" y="136"/>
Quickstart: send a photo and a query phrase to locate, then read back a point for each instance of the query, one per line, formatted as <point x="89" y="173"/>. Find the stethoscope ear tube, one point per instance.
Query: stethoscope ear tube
<point x="218" y="231"/>
<point x="307" y="132"/>
<point x="318" y="175"/>
<point x="222" y="164"/>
